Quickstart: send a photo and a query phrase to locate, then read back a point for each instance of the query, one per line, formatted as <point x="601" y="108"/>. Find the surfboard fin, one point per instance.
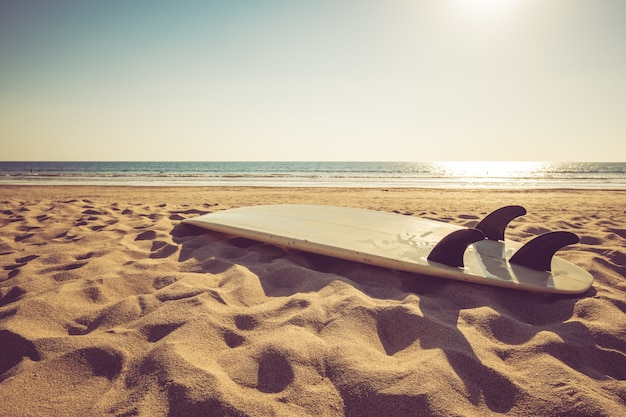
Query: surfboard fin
<point x="494" y="223"/>
<point x="449" y="251"/>
<point x="537" y="254"/>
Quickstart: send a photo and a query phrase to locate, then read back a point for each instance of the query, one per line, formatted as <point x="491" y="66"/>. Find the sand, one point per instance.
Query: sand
<point x="109" y="306"/>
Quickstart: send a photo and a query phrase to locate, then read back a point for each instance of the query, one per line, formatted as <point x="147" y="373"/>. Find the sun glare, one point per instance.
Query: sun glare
<point x="490" y="172"/>
<point x="486" y="7"/>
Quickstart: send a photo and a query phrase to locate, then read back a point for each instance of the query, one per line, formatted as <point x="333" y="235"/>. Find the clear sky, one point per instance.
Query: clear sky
<point x="410" y="80"/>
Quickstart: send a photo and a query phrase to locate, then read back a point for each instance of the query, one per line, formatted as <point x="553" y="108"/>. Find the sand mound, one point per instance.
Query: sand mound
<point x="117" y="309"/>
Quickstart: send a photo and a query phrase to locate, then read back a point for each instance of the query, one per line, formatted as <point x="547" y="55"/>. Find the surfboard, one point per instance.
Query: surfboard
<point x="478" y="255"/>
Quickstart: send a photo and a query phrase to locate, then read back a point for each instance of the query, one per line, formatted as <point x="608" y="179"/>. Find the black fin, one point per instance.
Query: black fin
<point x="449" y="251"/>
<point x="494" y="224"/>
<point x="537" y="254"/>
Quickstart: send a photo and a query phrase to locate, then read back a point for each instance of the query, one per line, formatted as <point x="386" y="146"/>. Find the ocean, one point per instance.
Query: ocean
<point x="490" y="174"/>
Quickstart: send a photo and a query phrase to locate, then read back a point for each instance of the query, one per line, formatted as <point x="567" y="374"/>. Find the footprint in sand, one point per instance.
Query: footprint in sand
<point x="147" y="235"/>
<point x="590" y="240"/>
<point x="233" y="339"/>
<point x="26" y="259"/>
<point x="12" y="295"/>
<point x="162" y="282"/>
<point x="246" y="322"/>
<point x="86" y="256"/>
<point x="393" y="338"/>
<point x="119" y="313"/>
<point x="14" y="349"/>
<point x="162" y="250"/>
<point x="14" y="269"/>
<point x="468" y="217"/>
<point x="64" y="272"/>
<point x="274" y="373"/>
<point x="536" y="230"/>
<point x="23" y="237"/>
<point x="620" y="232"/>
<point x="79" y="378"/>
<point x="158" y="332"/>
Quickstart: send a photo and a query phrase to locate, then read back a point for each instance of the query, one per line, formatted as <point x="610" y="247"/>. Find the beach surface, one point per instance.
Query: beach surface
<point x="109" y="306"/>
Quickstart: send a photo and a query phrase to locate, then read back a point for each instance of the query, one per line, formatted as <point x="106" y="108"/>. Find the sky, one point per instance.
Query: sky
<point x="368" y="80"/>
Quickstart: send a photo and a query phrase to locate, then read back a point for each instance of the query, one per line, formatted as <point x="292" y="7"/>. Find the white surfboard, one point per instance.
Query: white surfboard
<point x="406" y="243"/>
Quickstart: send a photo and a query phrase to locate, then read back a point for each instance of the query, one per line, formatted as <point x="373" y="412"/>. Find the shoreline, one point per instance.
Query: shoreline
<point x="364" y="185"/>
<point x="385" y="199"/>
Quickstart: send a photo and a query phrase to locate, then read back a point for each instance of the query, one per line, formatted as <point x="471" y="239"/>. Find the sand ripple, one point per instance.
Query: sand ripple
<point x="111" y="309"/>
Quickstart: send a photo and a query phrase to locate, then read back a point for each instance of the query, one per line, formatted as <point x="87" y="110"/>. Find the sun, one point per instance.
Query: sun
<point x="486" y="7"/>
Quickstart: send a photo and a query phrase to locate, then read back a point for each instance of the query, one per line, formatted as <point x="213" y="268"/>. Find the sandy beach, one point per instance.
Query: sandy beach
<point x="109" y="306"/>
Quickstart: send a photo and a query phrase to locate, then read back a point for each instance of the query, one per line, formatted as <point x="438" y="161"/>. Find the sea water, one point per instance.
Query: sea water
<point x="474" y="174"/>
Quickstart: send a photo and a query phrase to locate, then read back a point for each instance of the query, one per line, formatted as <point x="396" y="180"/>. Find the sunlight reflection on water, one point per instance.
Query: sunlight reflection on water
<point x="489" y="172"/>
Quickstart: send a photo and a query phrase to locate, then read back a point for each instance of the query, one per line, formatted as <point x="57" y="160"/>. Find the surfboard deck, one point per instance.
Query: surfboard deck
<point x="392" y="241"/>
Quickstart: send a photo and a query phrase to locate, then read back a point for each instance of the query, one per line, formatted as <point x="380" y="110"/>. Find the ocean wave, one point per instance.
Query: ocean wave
<point x="338" y="174"/>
